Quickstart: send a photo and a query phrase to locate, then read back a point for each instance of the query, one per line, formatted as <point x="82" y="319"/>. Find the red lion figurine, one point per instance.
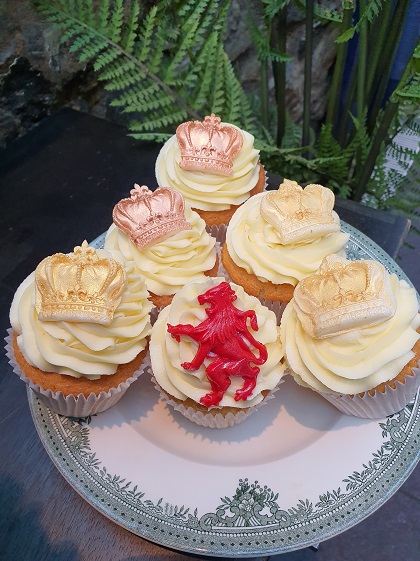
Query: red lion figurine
<point x="223" y="336"/>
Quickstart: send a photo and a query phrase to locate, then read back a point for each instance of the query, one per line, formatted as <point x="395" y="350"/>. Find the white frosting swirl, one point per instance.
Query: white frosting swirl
<point x="167" y="354"/>
<point x="80" y="348"/>
<point x="168" y="265"/>
<point x="254" y="245"/>
<point x="208" y="191"/>
<point x="356" y="361"/>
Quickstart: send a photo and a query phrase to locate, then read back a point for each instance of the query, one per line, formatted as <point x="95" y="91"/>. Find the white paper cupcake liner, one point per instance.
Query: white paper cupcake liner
<point x="379" y="405"/>
<point x="276" y="307"/>
<point x="73" y="406"/>
<point x="219" y="232"/>
<point x="212" y="419"/>
<point x="154" y="314"/>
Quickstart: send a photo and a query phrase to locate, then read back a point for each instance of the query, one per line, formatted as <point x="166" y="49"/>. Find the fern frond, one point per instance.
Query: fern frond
<point x="73" y="30"/>
<point x="233" y="110"/>
<point x="85" y="11"/>
<point x="248" y="119"/>
<point x="327" y="146"/>
<point x="322" y="13"/>
<point x="163" y="121"/>
<point x="403" y="155"/>
<point x="190" y="36"/>
<point x="116" y="70"/>
<point x="130" y="35"/>
<point x="156" y="56"/>
<point x="136" y="94"/>
<point x="143" y="47"/>
<point x="361" y="141"/>
<point x="106" y="58"/>
<point x="262" y="46"/>
<point x="188" y="8"/>
<point x="411" y="90"/>
<point x="151" y="103"/>
<point x="203" y="58"/>
<point x="210" y="63"/>
<point x="272" y="7"/>
<point x="81" y="42"/>
<point x="91" y="50"/>
<point x="292" y="134"/>
<point x="219" y="92"/>
<point x="165" y="65"/>
<point x="155" y="136"/>
<point x="103" y="15"/>
<point x="372" y="10"/>
<point x="412" y="128"/>
<point x="115" y="25"/>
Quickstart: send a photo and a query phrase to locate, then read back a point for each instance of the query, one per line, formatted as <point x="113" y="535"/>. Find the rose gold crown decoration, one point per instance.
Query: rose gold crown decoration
<point x="149" y="217"/>
<point x="79" y="287"/>
<point x="344" y="295"/>
<point x="300" y="215"/>
<point x="208" y="145"/>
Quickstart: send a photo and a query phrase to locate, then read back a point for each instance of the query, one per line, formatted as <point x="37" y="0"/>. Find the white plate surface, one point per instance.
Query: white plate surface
<point x="293" y="474"/>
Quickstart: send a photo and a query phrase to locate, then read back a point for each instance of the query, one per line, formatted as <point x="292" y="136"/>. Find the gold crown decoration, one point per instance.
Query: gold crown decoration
<point x="344" y="295"/>
<point x="208" y="145"/>
<point x="79" y="287"/>
<point x="149" y="216"/>
<point x="300" y="215"/>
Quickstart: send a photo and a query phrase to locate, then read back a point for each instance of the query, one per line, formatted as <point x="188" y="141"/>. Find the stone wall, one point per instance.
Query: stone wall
<point x="38" y="75"/>
<point x="241" y="51"/>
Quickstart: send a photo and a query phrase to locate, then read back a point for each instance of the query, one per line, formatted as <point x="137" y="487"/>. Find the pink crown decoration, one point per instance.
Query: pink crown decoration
<point x="149" y="216"/>
<point x="79" y="287"/>
<point x="208" y="145"/>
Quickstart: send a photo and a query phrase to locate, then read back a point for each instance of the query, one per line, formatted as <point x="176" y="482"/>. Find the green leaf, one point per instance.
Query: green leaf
<point x="116" y="23"/>
<point x="273" y="7"/>
<point x="372" y="10"/>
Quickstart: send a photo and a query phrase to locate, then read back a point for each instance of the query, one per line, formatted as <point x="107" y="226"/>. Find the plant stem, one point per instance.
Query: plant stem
<point x="351" y="90"/>
<point x="361" y="65"/>
<point x="387" y="58"/>
<point x="278" y="42"/>
<point x="264" y="93"/>
<point x="389" y="113"/>
<point x="361" y="79"/>
<point x="308" y="72"/>
<point x="381" y="135"/>
<point x="337" y="79"/>
<point x="379" y="45"/>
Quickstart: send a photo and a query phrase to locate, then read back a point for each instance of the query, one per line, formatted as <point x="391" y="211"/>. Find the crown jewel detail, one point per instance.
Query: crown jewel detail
<point x="300" y="215"/>
<point x="149" y="216"/>
<point x="344" y="295"/>
<point x="208" y="145"/>
<point x="79" y="287"/>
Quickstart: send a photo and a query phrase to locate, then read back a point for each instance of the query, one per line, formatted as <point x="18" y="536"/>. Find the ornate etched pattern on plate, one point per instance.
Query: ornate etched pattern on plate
<point x="251" y="520"/>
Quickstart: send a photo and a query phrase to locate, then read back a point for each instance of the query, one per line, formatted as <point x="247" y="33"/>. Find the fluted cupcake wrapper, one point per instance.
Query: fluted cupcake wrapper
<point x="71" y="405"/>
<point x="379" y="405"/>
<point x="219" y="232"/>
<point x="276" y="307"/>
<point x="214" y="419"/>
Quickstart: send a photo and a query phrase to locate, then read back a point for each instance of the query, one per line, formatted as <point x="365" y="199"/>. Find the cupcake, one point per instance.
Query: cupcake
<point x="215" y="353"/>
<point x="277" y="238"/>
<point x="214" y="165"/>
<point x="350" y="333"/>
<point x="164" y="239"/>
<point x="80" y="327"/>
